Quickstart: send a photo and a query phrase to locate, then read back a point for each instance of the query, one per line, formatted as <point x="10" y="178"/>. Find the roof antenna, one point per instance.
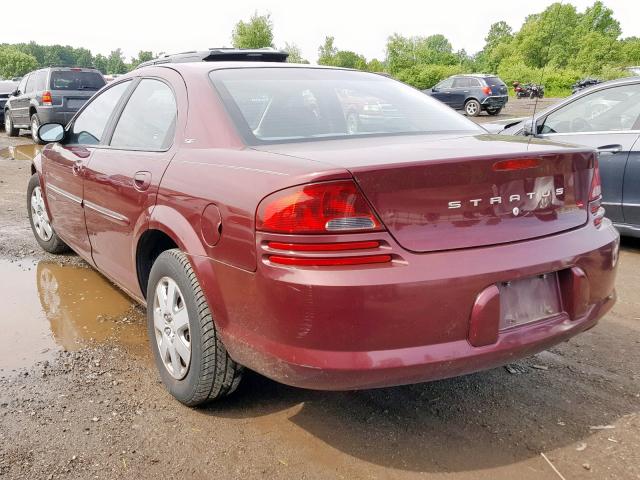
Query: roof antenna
<point x="535" y="105"/>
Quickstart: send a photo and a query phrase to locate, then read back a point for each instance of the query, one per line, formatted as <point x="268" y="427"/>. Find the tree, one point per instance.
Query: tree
<point x="295" y="55"/>
<point x="115" y="62"/>
<point x="14" y="63"/>
<point x="143" y="56"/>
<point x="101" y="63"/>
<point x="375" y="65"/>
<point x="499" y="32"/>
<point x="256" y="33"/>
<point x="327" y="52"/>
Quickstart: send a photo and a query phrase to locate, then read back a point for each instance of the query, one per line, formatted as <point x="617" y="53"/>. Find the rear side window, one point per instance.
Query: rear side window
<point x="31" y="83"/>
<point x="461" y="82"/>
<point x="148" y="121"/>
<point x="272" y="105"/>
<point x="90" y="124"/>
<point x="76" y="80"/>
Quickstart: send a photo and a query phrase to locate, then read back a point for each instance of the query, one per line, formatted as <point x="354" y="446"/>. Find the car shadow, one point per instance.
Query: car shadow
<point x="478" y="421"/>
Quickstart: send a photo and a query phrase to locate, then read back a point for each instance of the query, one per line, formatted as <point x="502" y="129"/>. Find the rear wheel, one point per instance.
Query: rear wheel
<point x="41" y="226"/>
<point x="193" y="363"/>
<point x="494" y="111"/>
<point x="8" y="125"/>
<point x="35" y="125"/>
<point x="472" y="108"/>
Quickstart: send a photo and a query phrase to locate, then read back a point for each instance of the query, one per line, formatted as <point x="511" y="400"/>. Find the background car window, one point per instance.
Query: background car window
<point x="22" y="87"/>
<point x="41" y="81"/>
<point x="76" y="80"/>
<point x="474" y="82"/>
<point x="447" y="83"/>
<point x="461" y="82"/>
<point x="31" y="83"/>
<point x="89" y="127"/>
<point x="611" y="109"/>
<point x="149" y="119"/>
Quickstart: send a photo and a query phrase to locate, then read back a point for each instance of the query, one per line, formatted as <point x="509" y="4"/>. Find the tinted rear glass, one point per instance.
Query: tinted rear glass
<point x="72" y="80"/>
<point x="271" y="105"/>
<point x="494" y="81"/>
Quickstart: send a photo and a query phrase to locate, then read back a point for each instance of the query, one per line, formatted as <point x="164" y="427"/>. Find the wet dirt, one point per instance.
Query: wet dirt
<point x="52" y="308"/>
<point x="20" y="152"/>
<point x="98" y="410"/>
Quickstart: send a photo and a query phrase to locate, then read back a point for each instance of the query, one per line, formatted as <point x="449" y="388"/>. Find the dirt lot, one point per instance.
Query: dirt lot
<point x="80" y="398"/>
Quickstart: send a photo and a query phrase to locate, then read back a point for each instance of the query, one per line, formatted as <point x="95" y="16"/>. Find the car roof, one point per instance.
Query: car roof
<point x="209" y="66"/>
<point x="480" y="75"/>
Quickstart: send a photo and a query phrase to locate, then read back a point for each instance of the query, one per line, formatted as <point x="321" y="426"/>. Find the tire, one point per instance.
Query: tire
<point x="41" y="227"/>
<point x="35" y="125"/>
<point x="8" y="125"/>
<point x="494" y="111"/>
<point x="209" y="373"/>
<point x="472" y="108"/>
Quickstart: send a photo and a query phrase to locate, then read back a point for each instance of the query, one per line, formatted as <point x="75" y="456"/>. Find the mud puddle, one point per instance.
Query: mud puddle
<point x="21" y="152"/>
<point x="51" y="307"/>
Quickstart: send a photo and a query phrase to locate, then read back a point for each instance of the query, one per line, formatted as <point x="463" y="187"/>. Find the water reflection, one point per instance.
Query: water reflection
<point x="21" y="152"/>
<point x="54" y="307"/>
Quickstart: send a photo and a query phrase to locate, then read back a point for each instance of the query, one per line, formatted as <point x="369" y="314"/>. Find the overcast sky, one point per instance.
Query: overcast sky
<point x="362" y="26"/>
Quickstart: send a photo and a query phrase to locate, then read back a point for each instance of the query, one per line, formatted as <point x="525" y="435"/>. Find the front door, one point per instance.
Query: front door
<point x="20" y="104"/>
<point x="122" y="179"/>
<point x="63" y="168"/>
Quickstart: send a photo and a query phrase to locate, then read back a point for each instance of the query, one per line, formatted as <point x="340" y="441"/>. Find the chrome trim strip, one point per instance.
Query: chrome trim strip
<point x="106" y="212"/>
<point x="611" y="203"/>
<point x="599" y="132"/>
<point x="64" y="193"/>
<point x="630" y="204"/>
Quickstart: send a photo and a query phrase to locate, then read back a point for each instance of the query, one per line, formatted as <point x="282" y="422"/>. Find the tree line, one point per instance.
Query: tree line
<point x="556" y="47"/>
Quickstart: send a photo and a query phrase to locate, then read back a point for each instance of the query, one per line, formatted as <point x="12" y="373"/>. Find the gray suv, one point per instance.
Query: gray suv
<point x="473" y="93"/>
<point x="49" y="95"/>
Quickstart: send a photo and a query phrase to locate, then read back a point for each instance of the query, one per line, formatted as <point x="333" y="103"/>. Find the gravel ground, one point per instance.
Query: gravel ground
<point x="97" y="409"/>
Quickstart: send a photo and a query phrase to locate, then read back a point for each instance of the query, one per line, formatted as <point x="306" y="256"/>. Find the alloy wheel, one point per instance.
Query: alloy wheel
<point x="171" y="327"/>
<point x="41" y="222"/>
<point x="472" y="108"/>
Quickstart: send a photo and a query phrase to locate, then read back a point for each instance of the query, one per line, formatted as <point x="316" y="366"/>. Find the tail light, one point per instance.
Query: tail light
<point x="46" y="99"/>
<point x="595" y="196"/>
<point x="486" y="90"/>
<point x="331" y="207"/>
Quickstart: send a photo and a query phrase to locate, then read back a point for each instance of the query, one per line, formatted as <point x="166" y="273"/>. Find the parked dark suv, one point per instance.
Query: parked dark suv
<point x="472" y="93"/>
<point x="48" y="95"/>
<point x="7" y="87"/>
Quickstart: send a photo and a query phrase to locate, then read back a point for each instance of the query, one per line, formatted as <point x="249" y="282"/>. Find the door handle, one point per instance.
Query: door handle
<point x="77" y="167"/>
<point x="609" y="149"/>
<point x="142" y="180"/>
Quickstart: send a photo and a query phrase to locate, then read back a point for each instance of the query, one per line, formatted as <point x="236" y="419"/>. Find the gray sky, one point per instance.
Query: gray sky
<point x="362" y="26"/>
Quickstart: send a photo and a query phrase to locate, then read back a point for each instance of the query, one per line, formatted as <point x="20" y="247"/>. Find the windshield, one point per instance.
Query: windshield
<point x="271" y="105"/>
<point x="76" y="80"/>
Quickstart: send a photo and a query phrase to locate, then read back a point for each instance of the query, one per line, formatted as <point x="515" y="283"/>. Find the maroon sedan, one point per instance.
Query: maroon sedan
<point x="263" y="230"/>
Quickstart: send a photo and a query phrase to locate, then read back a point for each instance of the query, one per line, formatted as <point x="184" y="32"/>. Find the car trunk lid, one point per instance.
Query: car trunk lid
<point x="497" y="86"/>
<point x="447" y="193"/>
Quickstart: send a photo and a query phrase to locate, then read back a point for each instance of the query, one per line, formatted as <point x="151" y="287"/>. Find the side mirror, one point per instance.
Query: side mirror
<point x="15" y="93"/>
<point x="528" y="128"/>
<point x="51" y="132"/>
<point x="434" y="89"/>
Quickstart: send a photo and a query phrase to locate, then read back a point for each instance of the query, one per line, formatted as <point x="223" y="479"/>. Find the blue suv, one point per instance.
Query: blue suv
<point x="472" y="93"/>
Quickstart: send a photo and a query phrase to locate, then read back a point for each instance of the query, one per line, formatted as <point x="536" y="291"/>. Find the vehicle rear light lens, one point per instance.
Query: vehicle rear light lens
<point x="595" y="196"/>
<point x="596" y="184"/>
<point x="517" y="164"/>
<point x="329" y="262"/>
<point x="486" y="90"/>
<point x="324" y="247"/>
<point x="46" y="98"/>
<point x="331" y="207"/>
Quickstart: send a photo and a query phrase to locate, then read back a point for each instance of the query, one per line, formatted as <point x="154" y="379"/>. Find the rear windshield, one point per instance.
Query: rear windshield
<point x="271" y="105"/>
<point x="72" y="80"/>
<point x="494" y="81"/>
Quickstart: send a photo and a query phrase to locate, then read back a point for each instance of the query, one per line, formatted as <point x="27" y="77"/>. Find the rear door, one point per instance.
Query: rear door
<point x="122" y="179"/>
<point x="604" y="120"/>
<point x="63" y="167"/>
<point x="631" y="189"/>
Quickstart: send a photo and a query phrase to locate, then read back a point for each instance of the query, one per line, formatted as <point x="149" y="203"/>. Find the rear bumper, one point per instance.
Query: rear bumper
<point x="496" y="101"/>
<point x="346" y="328"/>
<point x="55" y="115"/>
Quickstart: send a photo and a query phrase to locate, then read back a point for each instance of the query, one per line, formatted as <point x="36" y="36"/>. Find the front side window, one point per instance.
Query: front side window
<point x="89" y="126"/>
<point x="271" y="105"/>
<point x="447" y="83"/>
<point x="148" y="121"/>
<point x="22" y="87"/>
<point x="610" y="109"/>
